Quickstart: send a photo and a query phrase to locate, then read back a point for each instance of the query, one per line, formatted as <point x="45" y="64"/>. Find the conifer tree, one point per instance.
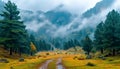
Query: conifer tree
<point x="13" y="35"/>
<point x="87" y="44"/>
<point x="112" y="31"/>
<point x="99" y="37"/>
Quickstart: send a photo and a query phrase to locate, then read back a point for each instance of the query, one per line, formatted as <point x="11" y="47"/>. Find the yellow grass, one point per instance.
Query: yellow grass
<point x="70" y="63"/>
<point x="27" y="64"/>
<point x="30" y="62"/>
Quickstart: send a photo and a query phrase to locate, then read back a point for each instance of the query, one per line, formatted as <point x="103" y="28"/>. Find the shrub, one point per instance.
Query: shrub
<point x="4" y="60"/>
<point x="75" y="57"/>
<point x="47" y="54"/>
<point x="82" y="57"/>
<point x="11" y="68"/>
<point x="89" y="57"/>
<point x="44" y="56"/>
<point x="39" y="56"/>
<point x="90" y="64"/>
<point x="110" y="59"/>
<point x="21" y="60"/>
<point x="66" y="53"/>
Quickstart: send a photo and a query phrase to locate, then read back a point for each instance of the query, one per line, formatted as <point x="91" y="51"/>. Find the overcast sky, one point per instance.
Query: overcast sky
<point x="45" y="5"/>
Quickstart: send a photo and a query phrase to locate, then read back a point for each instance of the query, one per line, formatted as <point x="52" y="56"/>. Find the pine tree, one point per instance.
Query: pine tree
<point x="99" y="37"/>
<point x="12" y="12"/>
<point x="87" y="45"/>
<point x="112" y="31"/>
<point x="13" y="36"/>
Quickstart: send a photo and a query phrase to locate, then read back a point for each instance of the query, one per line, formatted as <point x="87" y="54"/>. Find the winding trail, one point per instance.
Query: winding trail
<point x="45" y="65"/>
<point x="59" y="64"/>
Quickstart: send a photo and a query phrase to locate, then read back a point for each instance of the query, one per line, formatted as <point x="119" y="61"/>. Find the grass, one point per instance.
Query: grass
<point x="52" y="65"/>
<point x="70" y="63"/>
<point x="30" y="65"/>
<point x="27" y="64"/>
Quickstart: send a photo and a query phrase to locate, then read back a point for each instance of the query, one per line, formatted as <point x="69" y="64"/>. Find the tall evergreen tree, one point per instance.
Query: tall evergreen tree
<point x="99" y="37"/>
<point x="13" y="35"/>
<point x="112" y="31"/>
<point x="87" y="44"/>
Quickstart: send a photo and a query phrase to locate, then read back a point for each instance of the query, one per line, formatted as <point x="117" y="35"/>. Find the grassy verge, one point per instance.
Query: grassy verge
<point x="27" y="64"/>
<point x="71" y="63"/>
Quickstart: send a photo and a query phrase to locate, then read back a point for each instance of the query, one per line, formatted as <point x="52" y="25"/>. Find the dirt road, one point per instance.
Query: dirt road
<point x="45" y="65"/>
<point x="58" y="64"/>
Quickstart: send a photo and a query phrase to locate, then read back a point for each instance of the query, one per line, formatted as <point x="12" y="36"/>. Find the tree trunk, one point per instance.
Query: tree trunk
<point x="10" y="51"/>
<point x="20" y="51"/>
<point x="88" y="53"/>
<point x="113" y="52"/>
<point x="102" y="50"/>
<point x="31" y="53"/>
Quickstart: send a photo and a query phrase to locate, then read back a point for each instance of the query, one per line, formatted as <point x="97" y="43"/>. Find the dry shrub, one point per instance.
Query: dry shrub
<point x="82" y="57"/>
<point x="39" y="56"/>
<point x="47" y="53"/>
<point x="90" y="64"/>
<point x="75" y="57"/>
<point x="44" y="56"/>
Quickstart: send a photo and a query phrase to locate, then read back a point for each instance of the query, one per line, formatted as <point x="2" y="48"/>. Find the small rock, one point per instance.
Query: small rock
<point x="21" y="60"/>
<point x="4" y="60"/>
<point x="102" y="57"/>
<point x="89" y="57"/>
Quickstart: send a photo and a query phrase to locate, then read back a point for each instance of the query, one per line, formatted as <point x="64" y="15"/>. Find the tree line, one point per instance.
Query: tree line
<point x="106" y="36"/>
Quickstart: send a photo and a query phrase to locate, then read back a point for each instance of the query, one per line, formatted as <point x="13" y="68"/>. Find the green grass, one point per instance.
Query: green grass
<point x="32" y="65"/>
<point x="28" y="64"/>
<point x="52" y="65"/>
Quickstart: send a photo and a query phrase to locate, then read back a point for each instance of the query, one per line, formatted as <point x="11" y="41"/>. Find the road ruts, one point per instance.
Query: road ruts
<point x="59" y="64"/>
<point x="45" y="65"/>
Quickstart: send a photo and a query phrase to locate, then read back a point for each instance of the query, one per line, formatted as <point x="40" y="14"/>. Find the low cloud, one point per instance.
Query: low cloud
<point x="74" y="6"/>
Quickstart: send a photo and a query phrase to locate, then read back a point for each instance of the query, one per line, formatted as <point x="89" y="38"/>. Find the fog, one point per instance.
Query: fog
<point x="75" y="7"/>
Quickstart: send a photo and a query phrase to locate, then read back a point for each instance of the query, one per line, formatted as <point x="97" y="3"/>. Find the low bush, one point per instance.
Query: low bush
<point x="90" y="64"/>
<point x="47" y="54"/>
<point x="75" y="57"/>
<point x="21" y="60"/>
<point x="4" y="60"/>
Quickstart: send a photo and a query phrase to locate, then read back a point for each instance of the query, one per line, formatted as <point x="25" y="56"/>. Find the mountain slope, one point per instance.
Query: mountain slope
<point x="102" y="5"/>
